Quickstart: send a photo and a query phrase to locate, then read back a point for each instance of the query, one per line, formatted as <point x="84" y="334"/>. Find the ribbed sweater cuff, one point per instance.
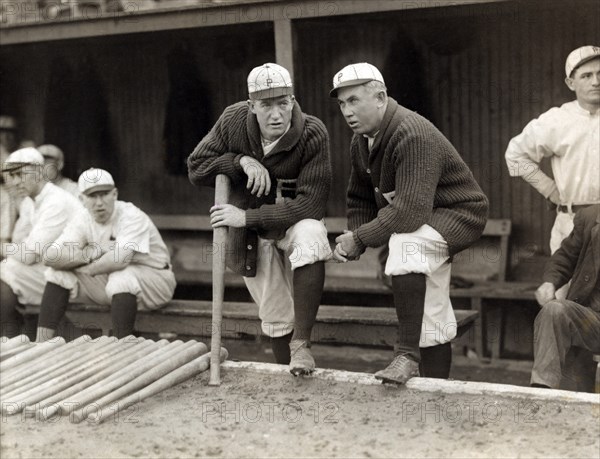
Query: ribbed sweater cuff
<point x="236" y="163"/>
<point x="252" y="218"/>
<point x="358" y="241"/>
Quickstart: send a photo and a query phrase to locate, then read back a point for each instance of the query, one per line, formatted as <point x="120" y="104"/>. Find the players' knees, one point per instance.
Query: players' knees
<point x="554" y="310"/>
<point x="124" y="281"/>
<point x="308" y="232"/>
<point x="308" y="243"/>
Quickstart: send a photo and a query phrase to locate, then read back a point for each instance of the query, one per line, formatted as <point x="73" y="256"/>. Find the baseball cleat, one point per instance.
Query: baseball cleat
<point x="302" y="362"/>
<point x="399" y="371"/>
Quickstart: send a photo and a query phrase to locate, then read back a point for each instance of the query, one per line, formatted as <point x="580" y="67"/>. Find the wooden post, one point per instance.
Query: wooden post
<point x="284" y="44"/>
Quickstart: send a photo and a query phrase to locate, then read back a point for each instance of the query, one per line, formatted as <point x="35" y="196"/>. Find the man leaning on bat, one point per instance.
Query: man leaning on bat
<point x="277" y="159"/>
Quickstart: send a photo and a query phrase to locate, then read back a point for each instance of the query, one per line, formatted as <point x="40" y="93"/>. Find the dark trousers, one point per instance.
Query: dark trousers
<point x="560" y="326"/>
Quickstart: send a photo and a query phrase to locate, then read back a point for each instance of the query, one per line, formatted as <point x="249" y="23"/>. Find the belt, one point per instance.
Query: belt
<point x="574" y="208"/>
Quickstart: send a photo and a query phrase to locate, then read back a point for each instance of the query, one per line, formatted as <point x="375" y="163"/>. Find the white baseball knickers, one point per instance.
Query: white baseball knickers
<point x="272" y="288"/>
<point x="152" y="287"/>
<point x="26" y="281"/>
<point x="425" y="251"/>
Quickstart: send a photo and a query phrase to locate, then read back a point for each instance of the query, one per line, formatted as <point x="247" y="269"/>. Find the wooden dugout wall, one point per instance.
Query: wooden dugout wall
<point x="481" y="73"/>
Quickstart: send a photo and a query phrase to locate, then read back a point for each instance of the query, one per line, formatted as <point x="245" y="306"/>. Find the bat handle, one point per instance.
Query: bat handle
<point x="219" y="251"/>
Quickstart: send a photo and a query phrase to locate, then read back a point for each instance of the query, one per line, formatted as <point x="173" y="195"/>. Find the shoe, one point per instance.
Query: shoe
<point x="302" y="362"/>
<point x="399" y="371"/>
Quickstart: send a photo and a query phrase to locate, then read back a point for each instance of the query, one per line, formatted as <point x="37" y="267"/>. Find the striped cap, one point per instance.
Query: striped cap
<point x="580" y="56"/>
<point x="269" y="80"/>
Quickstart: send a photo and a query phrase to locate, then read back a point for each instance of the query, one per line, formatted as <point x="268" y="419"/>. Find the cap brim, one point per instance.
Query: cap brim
<point x="97" y="188"/>
<point x="271" y="93"/>
<point x="345" y="84"/>
<point x="583" y="61"/>
<point x="10" y="167"/>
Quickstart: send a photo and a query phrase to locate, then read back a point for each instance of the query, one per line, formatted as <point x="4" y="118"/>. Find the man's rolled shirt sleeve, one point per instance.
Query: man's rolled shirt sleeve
<point x="524" y="153"/>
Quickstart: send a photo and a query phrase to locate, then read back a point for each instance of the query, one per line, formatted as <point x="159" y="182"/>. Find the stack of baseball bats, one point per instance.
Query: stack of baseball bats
<point x="92" y="379"/>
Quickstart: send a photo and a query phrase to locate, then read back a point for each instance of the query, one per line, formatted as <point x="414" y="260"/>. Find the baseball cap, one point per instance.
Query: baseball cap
<point x="21" y="158"/>
<point x="51" y="151"/>
<point x="94" y="180"/>
<point x="269" y="80"/>
<point x="355" y="74"/>
<point x="580" y="56"/>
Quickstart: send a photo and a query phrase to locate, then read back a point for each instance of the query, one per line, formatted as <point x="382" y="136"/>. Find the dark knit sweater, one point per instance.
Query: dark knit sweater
<point x="578" y="259"/>
<point x="302" y="154"/>
<point x="431" y="182"/>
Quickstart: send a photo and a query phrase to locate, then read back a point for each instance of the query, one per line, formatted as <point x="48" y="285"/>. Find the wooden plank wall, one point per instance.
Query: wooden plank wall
<point x="480" y="73"/>
<point x="484" y="72"/>
<point x="133" y="71"/>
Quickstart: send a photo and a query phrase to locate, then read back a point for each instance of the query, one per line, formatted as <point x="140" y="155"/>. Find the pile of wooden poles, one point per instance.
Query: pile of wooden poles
<point x="93" y="379"/>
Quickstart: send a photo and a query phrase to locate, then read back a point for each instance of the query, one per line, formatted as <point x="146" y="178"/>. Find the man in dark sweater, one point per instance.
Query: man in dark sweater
<point x="411" y="190"/>
<point x="574" y="321"/>
<point x="277" y="159"/>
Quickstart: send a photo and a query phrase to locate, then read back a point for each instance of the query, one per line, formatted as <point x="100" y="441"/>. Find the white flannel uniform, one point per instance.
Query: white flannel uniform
<point x="148" y="276"/>
<point x="426" y="252"/>
<point x="23" y="271"/>
<point x="22" y="226"/>
<point x="569" y="136"/>
<point x="272" y="288"/>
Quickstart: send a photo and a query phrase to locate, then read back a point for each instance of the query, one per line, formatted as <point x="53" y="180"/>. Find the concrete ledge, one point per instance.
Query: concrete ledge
<point x="430" y="384"/>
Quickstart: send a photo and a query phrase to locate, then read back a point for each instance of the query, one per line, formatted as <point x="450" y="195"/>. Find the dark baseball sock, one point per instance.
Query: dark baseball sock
<point x="10" y="319"/>
<point x="123" y="309"/>
<point x="281" y="348"/>
<point x="308" y="289"/>
<point x="436" y="361"/>
<point x="54" y="305"/>
<point x="409" y="299"/>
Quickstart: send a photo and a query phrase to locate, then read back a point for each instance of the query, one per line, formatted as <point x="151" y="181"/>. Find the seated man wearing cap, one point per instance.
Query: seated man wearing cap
<point x="277" y="159"/>
<point x="22" y="273"/>
<point x="411" y="190"/>
<point x="54" y="161"/>
<point x="568" y="135"/>
<point x="111" y="254"/>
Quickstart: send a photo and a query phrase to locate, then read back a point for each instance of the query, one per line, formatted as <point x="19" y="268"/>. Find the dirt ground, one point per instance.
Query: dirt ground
<point x="259" y="415"/>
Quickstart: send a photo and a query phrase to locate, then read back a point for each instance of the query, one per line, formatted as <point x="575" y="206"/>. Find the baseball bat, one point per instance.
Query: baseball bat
<point x="119" y="380"/>
<point x="61" y="382"/>
<point x="15" y="351"/>
<point x="67" y="400"/>
<point x="79" y="356"/>
<point x="18" y="374"/>
<point x="8" y="344"/>
<point x="129" y="385"/>
<point x="218" y="278"/>
<point x="171" y="379"/>
<point x="35" y="350"/>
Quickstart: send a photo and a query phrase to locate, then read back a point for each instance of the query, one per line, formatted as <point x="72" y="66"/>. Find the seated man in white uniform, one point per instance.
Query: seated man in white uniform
<point x="112" y="254"/>
<point x="22" y="272"/>
<point x="54" y="162"/>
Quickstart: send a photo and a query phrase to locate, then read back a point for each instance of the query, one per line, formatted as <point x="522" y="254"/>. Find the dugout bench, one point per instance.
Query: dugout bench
<point x="483" y="266"/>
<point x="345" y="321"/>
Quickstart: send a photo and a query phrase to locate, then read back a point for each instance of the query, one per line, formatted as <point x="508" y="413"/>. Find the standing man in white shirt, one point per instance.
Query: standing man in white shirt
<point x="569" y="136"/>
<point x="22" y="272"/>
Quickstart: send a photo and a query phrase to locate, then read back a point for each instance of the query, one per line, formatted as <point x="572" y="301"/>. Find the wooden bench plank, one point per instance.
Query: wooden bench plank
<point x="485" y="263"/>
<point x="335" y="324"/>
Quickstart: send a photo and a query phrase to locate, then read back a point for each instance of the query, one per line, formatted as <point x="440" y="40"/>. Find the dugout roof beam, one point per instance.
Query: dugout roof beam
<point x="40" y="26"/>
